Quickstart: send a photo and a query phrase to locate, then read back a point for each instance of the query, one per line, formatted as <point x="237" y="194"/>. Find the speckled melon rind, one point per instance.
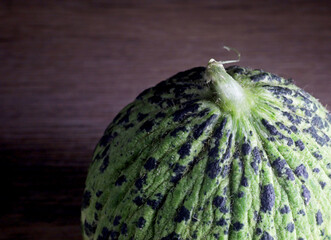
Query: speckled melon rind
<point x="174" y="165"/>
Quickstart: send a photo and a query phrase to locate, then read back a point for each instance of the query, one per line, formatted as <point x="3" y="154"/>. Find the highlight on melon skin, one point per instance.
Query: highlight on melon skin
<point x="213" y="153"/>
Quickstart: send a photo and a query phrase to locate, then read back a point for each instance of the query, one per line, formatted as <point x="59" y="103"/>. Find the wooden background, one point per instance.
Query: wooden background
<point x="67" y="67"/>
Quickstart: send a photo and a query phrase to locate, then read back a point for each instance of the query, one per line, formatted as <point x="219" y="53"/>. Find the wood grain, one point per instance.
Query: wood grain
<point x="67" y="67"/>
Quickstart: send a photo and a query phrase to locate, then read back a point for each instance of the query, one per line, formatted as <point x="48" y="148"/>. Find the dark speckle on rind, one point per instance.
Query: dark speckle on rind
<point x="218" y="133"/>
<point x="236" y="154"/>
<point x="244" y="182"/>
<point x="150" y="164"/>
<point x="271" y="139"/>
<point x="328" y="166"/>
<point x="120" y="180"/>
<point x="178" y="173"/>
<point x="289" y="174"/>
<point x="213" y="168"/>
<point x="117" y="220"/>
<point x="118" y="116"/>
<point x="176" y="130"/>
<point x="213" y="152"/>
<point x="193" y="74"/>
<point x="328" y="115"/>
<point x="292" y="107"/>
<point x="259" y="77"/>
<point x="277" y="90"/>
<point x="285" y="209"/>
<point x="160" y="115"/>
<point x="154" y="204"/>
<point x="179" y="115"/>
<point x="256" y="216"/>
<point x="182" y="214"/>
<point x="276" y="78"/>
<point x="107" y="138"/>
<point x="89" y="229"/>
<point x="305" y="194"/>
<point x="141" y="116"/>
<point x="140" y="182"/>
<point x="319" y="218"/>
<point x="105" y="234"/>
<point x="198" y="130"/>
<point x="287" y="100"/>
<point x="294" y="120"/>
<point x="316" y="170"/>
<point x="246" y="149"/>
<point x="241" y="194"/>
<point x="228" y="148"/>
<point x="272" y="130"/>
<point x="164" y="87"/>
<point x="290" y="227"/>
<point x="104" y="164"/>
<point x="125" y="118"/>
<point x="141" y="222"/>
<point x="184" y="150"/>
<point x="220" y="203"/>
<point x="282" y="126"/>
<point x="317" y="122"/>
<point x="289" y="141"/>
<point x="317" y="155"/>
<point x="172" y="236"/>
<point x="307" y="112"/>
<point x="237" y="226"/>
<point x="98" y="193"/>
<point x="300" y="145"/>
<point x="301" y="171"/>
<point x="267" y="198"/>
<point x="105" y="151"/>
<point x="256" y="160"/>
<point x="221" y="222"/>
<point x="235" y="70"/>
<point x="203" y="112"/>
<point x="280" y="166"/>
<point x="258" y="231"/>
<point x="266" y="236"/>
<point x="226" y="170"/>
<point x="86" y="199"/>
<point x="138" y="201"/>
<point x="98" y="206"/>
<point x="313" y="132"/>
<point x="294" y="129"/>
<point x="302" y="212"/>
<point x="147" y="126"/>
<point x="304" y="95"/>
<point x="124" y="228"/>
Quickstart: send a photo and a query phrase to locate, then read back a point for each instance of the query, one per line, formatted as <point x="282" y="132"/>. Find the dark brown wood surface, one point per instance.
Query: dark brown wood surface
<point x="67" y="67"/>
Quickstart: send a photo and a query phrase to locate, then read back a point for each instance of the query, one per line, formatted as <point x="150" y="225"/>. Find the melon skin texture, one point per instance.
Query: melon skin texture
<point x="213" y="153"/>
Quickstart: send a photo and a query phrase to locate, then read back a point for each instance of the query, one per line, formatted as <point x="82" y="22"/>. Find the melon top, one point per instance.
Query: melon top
<point x="213" y="153"/>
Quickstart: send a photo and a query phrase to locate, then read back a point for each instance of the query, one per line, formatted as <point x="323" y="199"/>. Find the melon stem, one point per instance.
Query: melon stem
<point x="230" y="95"/>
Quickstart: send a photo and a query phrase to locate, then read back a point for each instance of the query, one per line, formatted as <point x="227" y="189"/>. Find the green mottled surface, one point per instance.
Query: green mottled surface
<point x="178" y="164"/>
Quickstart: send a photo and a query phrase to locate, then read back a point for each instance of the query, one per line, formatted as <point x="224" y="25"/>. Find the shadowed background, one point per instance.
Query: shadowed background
<point x="67" y="67"/>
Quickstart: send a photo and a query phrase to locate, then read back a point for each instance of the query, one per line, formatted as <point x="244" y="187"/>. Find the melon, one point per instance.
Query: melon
<point x="213" y="153"/>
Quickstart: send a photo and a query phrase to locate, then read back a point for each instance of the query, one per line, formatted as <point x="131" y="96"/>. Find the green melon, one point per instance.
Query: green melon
<point x="213" y="153"/>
